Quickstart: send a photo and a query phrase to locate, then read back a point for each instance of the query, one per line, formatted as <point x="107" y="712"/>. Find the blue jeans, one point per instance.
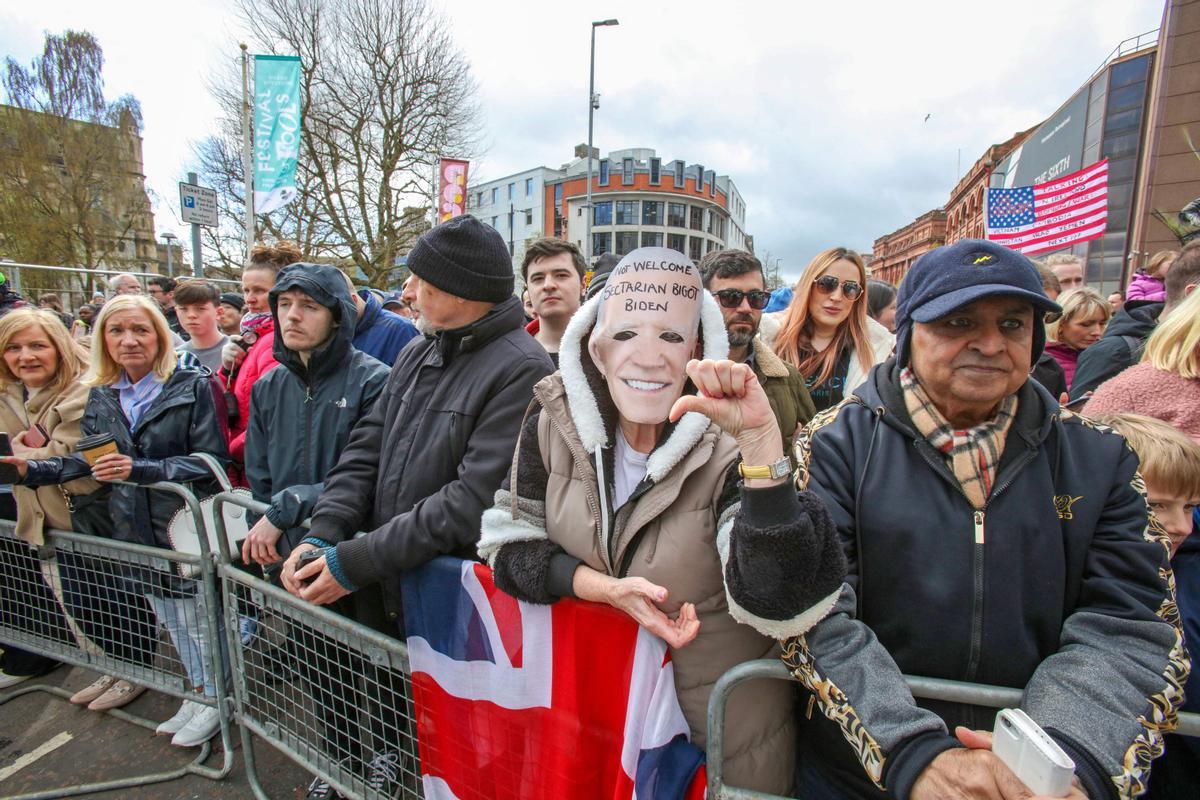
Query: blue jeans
<point x="185" y="619"/>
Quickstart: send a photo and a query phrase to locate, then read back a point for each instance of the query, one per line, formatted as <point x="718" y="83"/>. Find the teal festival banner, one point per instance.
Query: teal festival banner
<point x="276" y="131"/>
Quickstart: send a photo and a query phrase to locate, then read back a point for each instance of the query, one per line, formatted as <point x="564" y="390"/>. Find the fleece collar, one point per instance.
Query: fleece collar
<point x="585" y="411"/>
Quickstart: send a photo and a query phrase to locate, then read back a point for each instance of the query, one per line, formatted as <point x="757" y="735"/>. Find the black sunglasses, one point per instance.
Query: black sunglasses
<point x="732" y="298"/>
<point x="828" y="284"/>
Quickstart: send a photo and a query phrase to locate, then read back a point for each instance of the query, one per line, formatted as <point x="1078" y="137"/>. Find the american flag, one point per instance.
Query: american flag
<point x="1052" y="215"/>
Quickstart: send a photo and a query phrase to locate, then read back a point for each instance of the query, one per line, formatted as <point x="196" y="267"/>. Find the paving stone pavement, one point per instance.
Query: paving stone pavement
<point x="34" y="730"/>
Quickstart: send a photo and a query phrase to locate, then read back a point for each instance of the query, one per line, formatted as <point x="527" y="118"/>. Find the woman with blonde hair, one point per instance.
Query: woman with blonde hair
<point x="41" y="405"/>
<point x="1084" y="316"/>
<point x="826" y="332"/>
<point x="1166" y="384"/>
<point x="157" y="415"/>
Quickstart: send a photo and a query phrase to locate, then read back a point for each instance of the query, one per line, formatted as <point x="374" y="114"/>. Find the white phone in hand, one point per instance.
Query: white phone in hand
<point x="1031" y="754"/>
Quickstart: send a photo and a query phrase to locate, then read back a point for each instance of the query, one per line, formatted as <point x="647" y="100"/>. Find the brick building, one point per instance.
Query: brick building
<point x="896" y="252"/>
<point x="965" y="212"/>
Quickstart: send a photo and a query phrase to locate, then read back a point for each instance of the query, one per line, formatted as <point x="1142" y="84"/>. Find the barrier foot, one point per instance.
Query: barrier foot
<point x="195" y="766"/>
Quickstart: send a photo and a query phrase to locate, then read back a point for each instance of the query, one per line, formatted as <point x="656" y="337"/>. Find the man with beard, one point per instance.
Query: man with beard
<point x="735" y="278"/>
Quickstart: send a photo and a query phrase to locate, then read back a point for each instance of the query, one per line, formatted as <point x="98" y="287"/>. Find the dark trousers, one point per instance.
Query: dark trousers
<point x="109" y="607"/>
<point x="26" y="603"/>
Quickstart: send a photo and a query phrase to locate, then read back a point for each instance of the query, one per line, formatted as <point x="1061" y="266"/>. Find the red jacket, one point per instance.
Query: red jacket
<point x="259" y="361"/>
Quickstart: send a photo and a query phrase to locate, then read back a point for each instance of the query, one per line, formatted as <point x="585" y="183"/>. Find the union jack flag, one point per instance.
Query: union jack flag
<point x="1052" y="215"/>
<point x="516" y="701"/>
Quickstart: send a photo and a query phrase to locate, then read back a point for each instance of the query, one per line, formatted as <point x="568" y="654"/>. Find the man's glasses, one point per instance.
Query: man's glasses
<point x="828" y="284"/>
<point x="732" y="298"/>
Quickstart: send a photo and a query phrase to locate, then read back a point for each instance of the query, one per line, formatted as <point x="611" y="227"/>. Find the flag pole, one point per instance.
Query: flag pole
<point x="247" y="152"/>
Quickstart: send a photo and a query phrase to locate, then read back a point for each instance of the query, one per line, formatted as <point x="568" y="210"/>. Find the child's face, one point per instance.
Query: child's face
<point x="1174" y="512"/>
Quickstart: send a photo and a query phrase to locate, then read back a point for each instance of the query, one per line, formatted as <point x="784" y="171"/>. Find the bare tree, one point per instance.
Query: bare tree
<point x="384" y="94"/>
<point x="71" y="191"/>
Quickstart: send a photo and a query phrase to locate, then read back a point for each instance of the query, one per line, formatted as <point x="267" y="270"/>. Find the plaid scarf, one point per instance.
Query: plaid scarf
<point x="972" y="454"/>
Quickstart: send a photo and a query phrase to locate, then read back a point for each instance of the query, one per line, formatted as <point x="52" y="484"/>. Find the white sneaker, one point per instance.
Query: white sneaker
<point x="181" y="718"/>
<point x="203" y="725"/>
<point x="7" y="680"/>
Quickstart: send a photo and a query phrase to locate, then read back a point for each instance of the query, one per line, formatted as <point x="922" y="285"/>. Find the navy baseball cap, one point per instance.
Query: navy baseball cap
<point x="947" y="278"/>
<point x="392" y="298"/>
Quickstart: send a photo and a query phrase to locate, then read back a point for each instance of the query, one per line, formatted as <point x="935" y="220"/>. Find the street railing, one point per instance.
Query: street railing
<point x="974" y="694"/>
<point x="76" y="285"/>
<point x="331" y="694"/>
<point x="91" y="602"/>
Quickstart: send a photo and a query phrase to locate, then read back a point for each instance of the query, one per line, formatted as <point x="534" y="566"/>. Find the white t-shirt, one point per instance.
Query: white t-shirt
<point x="630" y="468"/>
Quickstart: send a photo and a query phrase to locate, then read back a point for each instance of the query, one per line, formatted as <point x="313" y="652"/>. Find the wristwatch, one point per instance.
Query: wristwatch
<point x="780" y="469"/>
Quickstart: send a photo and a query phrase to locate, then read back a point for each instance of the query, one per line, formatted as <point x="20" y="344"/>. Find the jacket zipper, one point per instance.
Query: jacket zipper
<point x="593" y="504"/>
<point x="978" y="517"/>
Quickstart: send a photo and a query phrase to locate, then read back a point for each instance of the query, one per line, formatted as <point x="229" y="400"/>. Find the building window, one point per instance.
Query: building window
<point x="604" y="172"/>
<point x="558" y="220"/>
<point x="627" y="172"/>
<point x="529" y="187"/>
<point x="601" y="243"/>
<point x="677" y="242"/>
<point x="627" y="242"/>
<point x="652" y="213"/>
<point x="679" y="179"/>
<point x="652" y="239"/>
<point x="529" y="216"/>
<point x="602" y="213"/>
<point x="710" y="246"/>
<point x="655" y="171"/>
<point x="699" y="178"/>
<point x="495" y="220"/>
<point x="478" y="199"/>
<point x="697" y="218"/>
<point x="495" y="195"/>
<point x="677" y="215"/>
<point x="694" y="245"/>
<point x="510" y="191"/>
<point x="626" y="212"/>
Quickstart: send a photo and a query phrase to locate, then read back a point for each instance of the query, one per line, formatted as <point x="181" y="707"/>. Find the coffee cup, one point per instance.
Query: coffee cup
<point x="93" y="447"/>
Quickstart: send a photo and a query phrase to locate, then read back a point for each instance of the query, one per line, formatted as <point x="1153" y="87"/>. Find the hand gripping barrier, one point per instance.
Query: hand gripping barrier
<point x="331" y="694"/>
<point x="926" y="688"/>
<point x="98" y="603"/>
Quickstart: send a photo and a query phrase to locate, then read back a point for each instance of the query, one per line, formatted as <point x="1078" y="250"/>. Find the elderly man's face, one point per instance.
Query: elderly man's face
<point x="128" y="285"/>
<point x="971" y="359"/>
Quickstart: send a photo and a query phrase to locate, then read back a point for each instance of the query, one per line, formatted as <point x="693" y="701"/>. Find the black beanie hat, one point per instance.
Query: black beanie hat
<point x="465" y="258"/>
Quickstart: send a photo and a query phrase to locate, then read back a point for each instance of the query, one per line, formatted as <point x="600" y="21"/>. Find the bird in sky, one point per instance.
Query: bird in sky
<point x="927" y="116"/>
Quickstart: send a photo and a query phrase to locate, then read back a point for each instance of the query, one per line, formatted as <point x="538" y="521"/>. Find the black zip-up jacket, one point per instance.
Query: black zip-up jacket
<point x="183" y="419"/>
<point x="427" y="460"/>
<point x="1058" y="586"/>
<point x="1122" y="345"/>
<point x="301" y="416"/>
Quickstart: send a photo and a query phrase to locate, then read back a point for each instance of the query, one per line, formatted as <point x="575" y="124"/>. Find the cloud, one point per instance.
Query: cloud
<point x="816" y="110"/>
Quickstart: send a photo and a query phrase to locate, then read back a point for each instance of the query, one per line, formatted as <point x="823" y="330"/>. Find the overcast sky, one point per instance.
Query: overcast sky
<point x="816" y="113"/>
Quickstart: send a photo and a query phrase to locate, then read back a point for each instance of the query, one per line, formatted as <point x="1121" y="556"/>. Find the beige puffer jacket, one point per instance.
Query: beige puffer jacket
<point x="667" y="533"/>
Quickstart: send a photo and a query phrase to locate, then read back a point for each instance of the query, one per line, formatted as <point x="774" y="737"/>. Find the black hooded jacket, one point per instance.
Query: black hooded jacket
<point x="1122" y="345"/>
<point x="301" y="415"/>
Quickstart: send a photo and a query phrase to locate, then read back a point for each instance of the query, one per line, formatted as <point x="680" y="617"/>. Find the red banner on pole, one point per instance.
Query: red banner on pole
<point x="452" y="195"/>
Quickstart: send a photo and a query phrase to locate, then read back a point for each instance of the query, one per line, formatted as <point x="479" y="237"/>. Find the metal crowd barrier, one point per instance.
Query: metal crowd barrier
<point x="332" y="695"/>
<point x="76" y="285"/>
<point x="924" y="688"/>
<point x="87" y="601"/>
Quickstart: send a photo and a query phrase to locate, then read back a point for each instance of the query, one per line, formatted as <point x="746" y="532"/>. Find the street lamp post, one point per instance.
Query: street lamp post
<point x="593" y="104"/>
<point x="170" y="238"/>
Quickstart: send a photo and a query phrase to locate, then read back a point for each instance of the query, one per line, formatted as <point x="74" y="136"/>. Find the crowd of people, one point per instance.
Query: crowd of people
<point x="986" y="474"/>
